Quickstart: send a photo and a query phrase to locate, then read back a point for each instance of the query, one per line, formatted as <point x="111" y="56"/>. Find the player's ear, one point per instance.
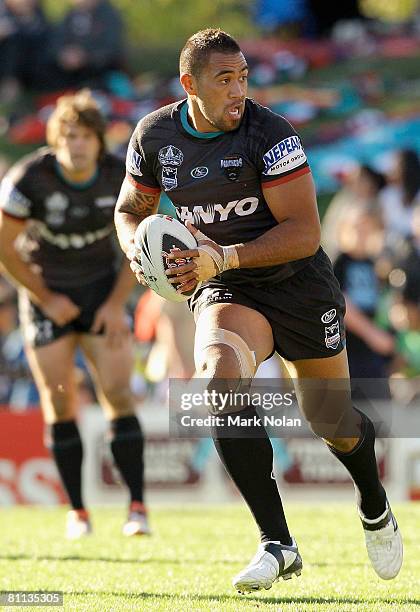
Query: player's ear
<point x="188" y="83"/>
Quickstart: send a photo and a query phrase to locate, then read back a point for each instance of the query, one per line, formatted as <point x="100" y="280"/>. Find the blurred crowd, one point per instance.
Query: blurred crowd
<point x="309" y="18"/>
<point x="85" y="47"/>
<point x="371" y="229"/>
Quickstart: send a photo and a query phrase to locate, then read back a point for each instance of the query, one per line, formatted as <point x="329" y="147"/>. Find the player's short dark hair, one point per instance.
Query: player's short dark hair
<point x="77" y="109"/>
<point x="196" y="51"/>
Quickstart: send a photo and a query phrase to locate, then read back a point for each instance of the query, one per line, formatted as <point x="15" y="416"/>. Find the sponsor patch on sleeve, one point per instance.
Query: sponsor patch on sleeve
<point x="12" y="201"/>
<point x="286" y="155"/>
<point x="133" y="161"/>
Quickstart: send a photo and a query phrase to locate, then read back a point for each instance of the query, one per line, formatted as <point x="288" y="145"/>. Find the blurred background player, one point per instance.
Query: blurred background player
<point x="361" y="189"/>
<point x="360" y="238"/>
<point x="399" y="199"/>
<point x="56" y="237"/>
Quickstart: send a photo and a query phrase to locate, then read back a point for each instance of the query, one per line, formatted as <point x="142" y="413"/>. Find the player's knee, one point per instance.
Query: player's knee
<point x="224" y="382"/>
<point x="329" y="411"/>
<point x="356" y="426"/>
<point x="225" y="360"/>
<point x="223" y="353"/>
<point x="219" y="361"/>
<point x="119" y="399"/>
<point x="57" y="404"/>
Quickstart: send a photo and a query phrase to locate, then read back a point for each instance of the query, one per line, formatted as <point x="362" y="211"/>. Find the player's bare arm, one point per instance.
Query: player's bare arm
<point x="132" y="207"/>
<point x="297" y="235"/>
<point x="57" y="306"/>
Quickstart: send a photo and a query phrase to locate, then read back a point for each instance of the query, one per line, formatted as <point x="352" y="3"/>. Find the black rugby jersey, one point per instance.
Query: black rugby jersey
<point x="70" y="230"/>
<point x="215" y="181"/>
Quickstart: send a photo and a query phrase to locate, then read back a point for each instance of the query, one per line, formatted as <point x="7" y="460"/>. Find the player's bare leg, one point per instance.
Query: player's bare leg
<point x="53" y="371"/>
<point x="111" y="368"/>
<point x="249" y="461"/>
<point x="328" y="407"/>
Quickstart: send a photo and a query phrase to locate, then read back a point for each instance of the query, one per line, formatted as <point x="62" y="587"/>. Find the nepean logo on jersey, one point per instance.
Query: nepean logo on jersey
<point x="209" y="213"/>
<point x="284" y="156"/>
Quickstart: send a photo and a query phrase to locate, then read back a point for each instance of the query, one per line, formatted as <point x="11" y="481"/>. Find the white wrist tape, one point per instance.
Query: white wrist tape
<point x="210" y="262"/>
<point x="214" y="255"/>
<point x="230" y="258"/>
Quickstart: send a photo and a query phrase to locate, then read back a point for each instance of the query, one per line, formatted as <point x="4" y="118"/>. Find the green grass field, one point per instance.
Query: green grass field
<point x="189" y="562"/>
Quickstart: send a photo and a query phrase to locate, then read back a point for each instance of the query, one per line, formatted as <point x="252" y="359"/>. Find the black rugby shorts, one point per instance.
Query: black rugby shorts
<point x="305" y="311"/>
<point x="39" y="330"/>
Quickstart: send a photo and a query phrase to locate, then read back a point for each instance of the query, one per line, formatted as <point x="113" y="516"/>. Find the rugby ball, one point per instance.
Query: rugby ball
<point x="154" y="238"/>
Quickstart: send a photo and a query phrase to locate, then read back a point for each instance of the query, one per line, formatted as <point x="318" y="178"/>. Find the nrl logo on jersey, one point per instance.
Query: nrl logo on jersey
<point x="13" y="200"/>
<point x="284" y="156"/>
<point x="170" y="156"/>
<point x="133" y="161"/>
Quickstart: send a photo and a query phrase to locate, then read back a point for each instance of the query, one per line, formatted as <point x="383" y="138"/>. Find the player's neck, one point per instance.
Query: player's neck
<point x="77" y="176"/>
<point x="197" y="120"/>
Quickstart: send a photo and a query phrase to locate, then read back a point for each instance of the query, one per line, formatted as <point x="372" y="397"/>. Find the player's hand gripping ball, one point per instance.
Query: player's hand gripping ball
<point x="155" y="239"/>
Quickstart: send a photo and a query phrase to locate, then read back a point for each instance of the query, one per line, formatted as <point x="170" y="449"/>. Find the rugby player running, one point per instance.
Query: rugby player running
<point x="238" y="177"/>
<point x="56" y="232"/>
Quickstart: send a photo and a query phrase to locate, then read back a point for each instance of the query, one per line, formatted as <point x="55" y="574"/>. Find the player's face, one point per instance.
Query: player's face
<point x="221" y="90"/>
<point x="77" y="149"/>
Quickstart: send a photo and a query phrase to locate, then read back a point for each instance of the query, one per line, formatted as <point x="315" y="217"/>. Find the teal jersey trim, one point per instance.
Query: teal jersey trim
<point x="187" y="127"/>
<point x="84" y="185"/>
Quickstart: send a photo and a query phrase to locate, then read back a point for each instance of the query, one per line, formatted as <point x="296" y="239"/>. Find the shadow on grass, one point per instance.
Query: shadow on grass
<point x="78" y="558"/>
<point x="237" y="598"/>
<point x="27" y="557"/>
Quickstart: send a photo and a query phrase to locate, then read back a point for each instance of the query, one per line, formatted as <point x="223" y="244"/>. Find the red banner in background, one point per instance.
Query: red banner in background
<point x="27" y="474"/>
<point x="173" y="466"/>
